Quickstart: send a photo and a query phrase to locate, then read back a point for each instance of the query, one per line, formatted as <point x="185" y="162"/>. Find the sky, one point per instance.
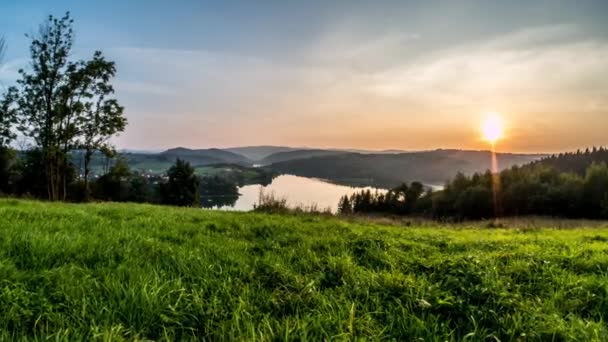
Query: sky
<point x="408" y="75"/>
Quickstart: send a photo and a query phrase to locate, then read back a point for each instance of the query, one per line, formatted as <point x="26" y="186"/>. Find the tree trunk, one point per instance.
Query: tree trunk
<point x="66" y="166"/>
<point x="87" y="161"/>
<point x="50" y="174"/>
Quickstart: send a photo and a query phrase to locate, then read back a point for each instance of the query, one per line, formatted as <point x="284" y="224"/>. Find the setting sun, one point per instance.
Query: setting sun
<point x="492" y="128"/>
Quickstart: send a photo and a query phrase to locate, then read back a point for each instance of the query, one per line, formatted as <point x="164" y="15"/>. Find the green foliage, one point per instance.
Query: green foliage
<point x="344" y="206"/>
<point x="8" y="116"/>
<point x="100" y="117"/>
<point x="475" y="203"/>
<point x="141" y="272"/>
<point x="182" y="186"/>
<point x="402" y="200"/>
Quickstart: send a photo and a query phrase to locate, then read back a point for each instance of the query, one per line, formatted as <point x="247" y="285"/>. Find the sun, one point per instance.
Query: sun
<point x="492" y="128"/>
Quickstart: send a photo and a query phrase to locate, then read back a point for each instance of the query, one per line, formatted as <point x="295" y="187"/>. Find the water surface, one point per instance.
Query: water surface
<point x="299" y="191"/>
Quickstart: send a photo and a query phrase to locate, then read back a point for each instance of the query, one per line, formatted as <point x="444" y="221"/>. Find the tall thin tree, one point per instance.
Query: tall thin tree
<point x="101" y="117"/>
<point x="41" y="88"/>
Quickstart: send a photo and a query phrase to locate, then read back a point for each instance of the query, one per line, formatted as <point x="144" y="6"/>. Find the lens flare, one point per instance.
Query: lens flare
<point x="492" y="128"/>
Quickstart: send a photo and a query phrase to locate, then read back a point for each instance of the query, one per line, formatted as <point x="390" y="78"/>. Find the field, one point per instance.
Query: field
<point x="125" y="271"/>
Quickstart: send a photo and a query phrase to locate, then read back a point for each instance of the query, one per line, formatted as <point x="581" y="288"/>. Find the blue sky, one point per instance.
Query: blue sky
<point x="361" y="74"/>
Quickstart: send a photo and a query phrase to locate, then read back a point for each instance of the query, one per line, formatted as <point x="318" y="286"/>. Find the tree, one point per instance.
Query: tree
<point x="100" y="117"/>
<point x="474" y="203"/>
<point x="42" y="115"/>
<point x="412" y="194"/>
<point x="65" y="105"/>
<point x="138" y="189"/>
<point x="344" y="206"/>
<point x="8" y="117"/>
<point x="182" y="186"/>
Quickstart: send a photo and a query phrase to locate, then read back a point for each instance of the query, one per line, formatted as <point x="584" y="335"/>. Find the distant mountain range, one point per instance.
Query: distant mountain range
<point x="376" y="168"/>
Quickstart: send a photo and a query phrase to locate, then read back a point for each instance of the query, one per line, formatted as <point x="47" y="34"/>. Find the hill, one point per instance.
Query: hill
<point x="298" y="154"/>
<point x="574" y="162"/>
<point x="206" y="156"/>
<point x="160" y="162"/>
<point x="257" y="153"/>
<point x="142" y="272"/>
<point x="237" y="174"/>
<point x="389" y="170"/>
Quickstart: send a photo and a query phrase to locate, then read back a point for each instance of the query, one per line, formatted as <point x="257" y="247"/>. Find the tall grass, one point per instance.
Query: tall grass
<point x="269" y="202"/>
<point x="123" y="271"/>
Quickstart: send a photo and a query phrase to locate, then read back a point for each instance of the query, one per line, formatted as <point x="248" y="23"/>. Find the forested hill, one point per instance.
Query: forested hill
<point x="159" y="162"/>
<point x="298" y="154"/>
<point x="257" y="153"/>
<point x="575" y="162"/>
<point x="206" y="156"/>
<point x="389" y="170"/>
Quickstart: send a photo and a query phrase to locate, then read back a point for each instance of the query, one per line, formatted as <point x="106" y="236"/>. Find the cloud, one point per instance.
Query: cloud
<point x="349" y="48"/>
<point x="523" y="70"/>
<point x="345" y="90"/>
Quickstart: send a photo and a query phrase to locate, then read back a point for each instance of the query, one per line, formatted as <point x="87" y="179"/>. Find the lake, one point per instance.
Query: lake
<point x="299" y="191"/>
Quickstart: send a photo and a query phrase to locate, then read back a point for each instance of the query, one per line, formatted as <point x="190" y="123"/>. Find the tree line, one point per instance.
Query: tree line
<point x="538" y="188"/>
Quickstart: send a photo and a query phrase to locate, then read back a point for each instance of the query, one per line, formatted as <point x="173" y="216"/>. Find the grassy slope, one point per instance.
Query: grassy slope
<point x="141" y="271"/>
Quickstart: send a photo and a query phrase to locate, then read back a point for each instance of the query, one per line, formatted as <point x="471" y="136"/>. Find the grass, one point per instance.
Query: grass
<point x="125" y="271"/>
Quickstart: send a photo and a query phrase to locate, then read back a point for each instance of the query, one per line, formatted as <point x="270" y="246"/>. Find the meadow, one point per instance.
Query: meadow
<point x="125" y="271"/>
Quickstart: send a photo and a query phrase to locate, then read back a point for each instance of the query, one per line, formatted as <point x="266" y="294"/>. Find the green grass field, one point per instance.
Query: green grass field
<point x="124" y="271"/>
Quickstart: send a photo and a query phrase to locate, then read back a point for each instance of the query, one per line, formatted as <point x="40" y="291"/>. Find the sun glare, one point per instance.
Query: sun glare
<point x="492" y="128"/>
